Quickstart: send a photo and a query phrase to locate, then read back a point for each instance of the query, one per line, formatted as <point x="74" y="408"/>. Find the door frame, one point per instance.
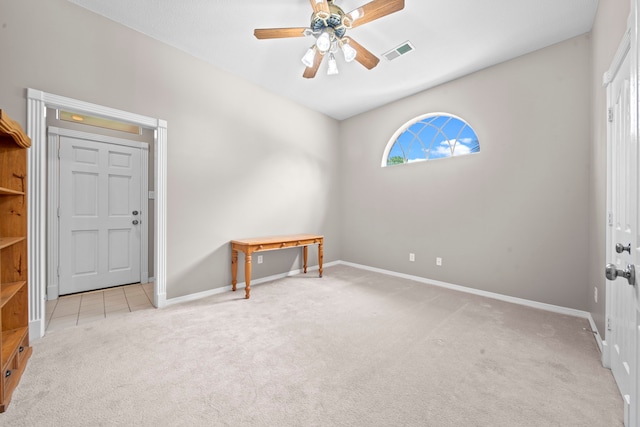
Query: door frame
<point x="629" y="45"/>
<point x="53" y="200"/>
<point x="37" y="104"/>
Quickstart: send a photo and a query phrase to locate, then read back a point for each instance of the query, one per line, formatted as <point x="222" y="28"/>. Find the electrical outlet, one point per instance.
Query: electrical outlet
<point x="259" y="259"/>
<point x="412" y="257"/>
<point x="595" y="293"/>
<point x="439" y="261"/>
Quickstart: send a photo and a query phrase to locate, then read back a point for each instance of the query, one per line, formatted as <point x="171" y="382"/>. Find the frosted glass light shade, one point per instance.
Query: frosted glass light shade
<point x="333" y="66"/>
<point x="324" y="42"/>
<point x="349" y="52"/>
<point x="308" y="57"/>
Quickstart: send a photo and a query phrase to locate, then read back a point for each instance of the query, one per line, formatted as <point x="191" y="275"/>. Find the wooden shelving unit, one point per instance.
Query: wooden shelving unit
<point x="14" y="298"/>
<point x="9" y="192"/>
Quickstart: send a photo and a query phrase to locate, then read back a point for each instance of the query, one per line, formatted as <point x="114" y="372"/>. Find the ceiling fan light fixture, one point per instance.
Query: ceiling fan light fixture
<point x="333" y="65"/>
<point x="309" y="57"/>
<point x="324" y="42"/>
<point x="349" y="52"/>
<point x="329" y="25"/>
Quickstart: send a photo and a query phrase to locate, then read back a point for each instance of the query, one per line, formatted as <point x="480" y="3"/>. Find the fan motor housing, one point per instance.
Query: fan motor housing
<point x="334" y="20"/>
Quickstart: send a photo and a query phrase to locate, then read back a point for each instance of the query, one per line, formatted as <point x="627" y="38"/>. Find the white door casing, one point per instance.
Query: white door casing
<point x="623" y="242"/>
<point x="99" y="212"/>
<point x="39" y="187"/>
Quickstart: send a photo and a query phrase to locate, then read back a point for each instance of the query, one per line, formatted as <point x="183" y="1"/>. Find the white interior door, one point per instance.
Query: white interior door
<point x="623" y="242"/>
<point x="100" y="221"/>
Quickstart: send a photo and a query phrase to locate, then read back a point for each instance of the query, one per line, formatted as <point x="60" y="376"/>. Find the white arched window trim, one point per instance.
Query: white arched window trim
<point x="408" y="124"/>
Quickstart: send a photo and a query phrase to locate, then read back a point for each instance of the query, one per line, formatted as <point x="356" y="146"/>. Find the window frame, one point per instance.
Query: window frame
<point x="408" y="124"/>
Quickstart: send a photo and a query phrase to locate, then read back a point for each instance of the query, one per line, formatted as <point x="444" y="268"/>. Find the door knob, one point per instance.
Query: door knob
<point x="136" y="213"/>
<point x="630" y="273"/>
<point x="621" y="248"/>
<point x="135" y="222"/>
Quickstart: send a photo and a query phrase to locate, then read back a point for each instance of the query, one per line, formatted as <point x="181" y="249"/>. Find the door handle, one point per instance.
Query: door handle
<point x="630" y="273"/>
<point x="135" y="212"/>
<point x="134" y="222"/>
<point x="621" y="248"/>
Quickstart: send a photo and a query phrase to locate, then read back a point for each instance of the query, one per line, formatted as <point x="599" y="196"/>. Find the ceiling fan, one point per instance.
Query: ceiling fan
<point x="329" y="25"/>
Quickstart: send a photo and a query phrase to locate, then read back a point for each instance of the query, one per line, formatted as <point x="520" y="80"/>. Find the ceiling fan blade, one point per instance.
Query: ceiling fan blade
<point x="320" y="5"/>
<point x="374" y="10"/>
<point x="310" y="72"/>
<point x="366" y="58"/>
<point x="278" y="33"/>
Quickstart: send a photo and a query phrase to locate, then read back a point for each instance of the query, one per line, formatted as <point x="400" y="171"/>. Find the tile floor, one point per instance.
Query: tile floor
<point x="78" y="309"/>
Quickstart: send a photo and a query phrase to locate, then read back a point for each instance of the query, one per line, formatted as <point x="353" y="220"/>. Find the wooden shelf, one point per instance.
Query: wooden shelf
<point x="10" y="341"/>
<point x="9" y="192"/>
<point x="14" y="292"/>
<point x="5" y="242"/>
<point x="11" y="128"/>
<point x="8" y="290"/>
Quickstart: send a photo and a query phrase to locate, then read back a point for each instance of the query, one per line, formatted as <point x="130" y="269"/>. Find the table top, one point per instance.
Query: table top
<point x="277" y="239"/>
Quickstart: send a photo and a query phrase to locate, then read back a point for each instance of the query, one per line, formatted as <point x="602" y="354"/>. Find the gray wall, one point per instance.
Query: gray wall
<point x="608" y="29"/>
<point x="521" y="218"/>
<point x="511" y="219"/>
<point x="241" y="161"/>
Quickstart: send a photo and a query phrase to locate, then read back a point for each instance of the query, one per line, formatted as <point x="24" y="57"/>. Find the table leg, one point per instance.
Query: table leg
<point x="304" y="256"/>
<point x="247" y="275"/>
<point x="320" y="256"/>
<point x="234" y="269"/>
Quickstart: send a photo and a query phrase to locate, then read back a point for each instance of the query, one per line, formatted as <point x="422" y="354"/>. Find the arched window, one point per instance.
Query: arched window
<point x="429" y="137"/>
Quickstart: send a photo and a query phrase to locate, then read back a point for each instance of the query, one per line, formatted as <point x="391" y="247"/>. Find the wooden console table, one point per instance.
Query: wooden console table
<point x="249" y="246"/>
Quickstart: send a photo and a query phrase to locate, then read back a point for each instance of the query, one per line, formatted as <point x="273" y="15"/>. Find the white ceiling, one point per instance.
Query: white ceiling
<point x="452" y="38"/>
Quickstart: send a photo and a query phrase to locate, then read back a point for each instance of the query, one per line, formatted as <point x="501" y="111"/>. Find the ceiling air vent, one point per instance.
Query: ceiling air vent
<point x="398" y="51"/>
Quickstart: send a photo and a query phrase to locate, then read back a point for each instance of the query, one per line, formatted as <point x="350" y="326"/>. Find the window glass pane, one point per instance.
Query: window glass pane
<point x="396" y="155"/>
<point x="441" y="150"/>
<point x="416" y="128"/>
<point x="440" y="120"/>
<point x="434" y="136"/>
<point x="453" y="127"/>
<point x="416" y="152"/>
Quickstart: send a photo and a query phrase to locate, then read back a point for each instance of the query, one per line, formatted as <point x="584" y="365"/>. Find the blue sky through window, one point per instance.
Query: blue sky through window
<point x="433" y="137"/>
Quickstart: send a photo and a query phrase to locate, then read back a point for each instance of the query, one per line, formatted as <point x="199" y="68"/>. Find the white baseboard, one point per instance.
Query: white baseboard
<point x="36" y="330"/>
<point x="520" y="301"/>
<point x="606" y="355"/>
<point x="52" y="292"/>
<point x="160" y="300"/>
<point x="597" y="336"/>
<point x="241" y="285"/>
<point x="198" y="295"/>
<point x="506" y="298"/>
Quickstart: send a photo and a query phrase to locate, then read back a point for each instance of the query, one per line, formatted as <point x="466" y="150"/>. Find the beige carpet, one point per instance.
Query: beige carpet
<point x="354" y="348"/>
